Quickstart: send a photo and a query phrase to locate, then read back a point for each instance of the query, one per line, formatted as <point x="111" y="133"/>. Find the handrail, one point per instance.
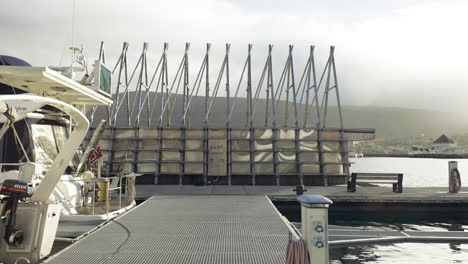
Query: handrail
<point x="119" y="187"/>
<point x="11" y="164"/>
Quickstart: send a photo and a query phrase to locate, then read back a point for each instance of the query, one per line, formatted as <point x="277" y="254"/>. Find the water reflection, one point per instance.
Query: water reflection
<point x="405" y="252"/>
<point x="401" y="253"/>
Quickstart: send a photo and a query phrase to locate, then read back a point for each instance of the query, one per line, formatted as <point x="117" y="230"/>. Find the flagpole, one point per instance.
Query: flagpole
<point x="99" y="168"/>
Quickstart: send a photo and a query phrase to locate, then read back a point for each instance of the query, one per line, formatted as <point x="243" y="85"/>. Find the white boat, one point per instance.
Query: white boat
<point x="43" y="173"/>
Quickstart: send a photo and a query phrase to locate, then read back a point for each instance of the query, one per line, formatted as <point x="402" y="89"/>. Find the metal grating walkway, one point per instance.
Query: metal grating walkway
<point x="187" y="229"/>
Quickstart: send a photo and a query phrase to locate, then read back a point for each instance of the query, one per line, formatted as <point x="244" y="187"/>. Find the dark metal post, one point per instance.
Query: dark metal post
<point x="205" y="123"/>
<point x="274" y="131"/>
<point x="136" y="116"/>
<point x="164" y="81"/>
<point x="135" y="142"/>
<point x="400" y="182"/>
<point x="160" y="122"/>
<point x="297" y="140"/>
<point x="113" y="121"/>
<point x="182" y="155"/>
<point x="228" y="121"/>
<point x="183" y="141"/>
<point x="158" y="160"/>
<point x="352" y="183"/>
<point x="343" y="140"/>
<point x="110" y="152"/>
<point x="123" y="68"/>
<point x="322" y="165"/>
<point x="250" y="117"/>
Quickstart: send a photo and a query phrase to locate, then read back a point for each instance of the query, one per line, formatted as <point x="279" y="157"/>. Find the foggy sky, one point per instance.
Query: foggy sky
<point x="391" y="53"/>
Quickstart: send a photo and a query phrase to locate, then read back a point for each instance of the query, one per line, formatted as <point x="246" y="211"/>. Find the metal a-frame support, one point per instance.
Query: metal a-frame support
<point x="203" y="72"/>
<point x="159" y="138"/>
<point x="166" y="112"/>
<point x="309" y="86"/>
<point x="183" y="124"/>
<point x="228" y="122"/>
<point x="230" y="109"/>
<point x="297" y="140"/>
<point x="331" y="84"/>
<point x="274" y="130"/>
<point x="167" y="94"/>
<point x="287" y="83"/>
<point x="205" y="122"/>
<point x="123" y="73"/>
<point x="250" y="114"/>
<point x="223" y="72"/>
<point x="270" y="96"/>
<point x="142" y="82"/>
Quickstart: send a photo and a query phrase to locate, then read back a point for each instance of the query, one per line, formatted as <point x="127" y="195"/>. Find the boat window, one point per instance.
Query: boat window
<point x="10" y="150"/>
<point x="48" y="140"/>
<point x="42" y="140"/>
<point x="45" y="145"/>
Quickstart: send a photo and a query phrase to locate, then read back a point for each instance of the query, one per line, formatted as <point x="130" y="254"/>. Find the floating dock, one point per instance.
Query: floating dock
<point x="380" y="202"/>
<point x="234" y="224"/>
<point x="187" y="229"/>
<point x="335" y="193"/>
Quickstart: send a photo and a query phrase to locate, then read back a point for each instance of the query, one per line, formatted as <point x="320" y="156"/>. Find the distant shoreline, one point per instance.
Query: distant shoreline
<point x="426" y="155"/>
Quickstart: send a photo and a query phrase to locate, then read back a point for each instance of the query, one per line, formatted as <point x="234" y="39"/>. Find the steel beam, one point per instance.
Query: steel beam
<point x="250" y="117"/>
<point x="228" y="122"/>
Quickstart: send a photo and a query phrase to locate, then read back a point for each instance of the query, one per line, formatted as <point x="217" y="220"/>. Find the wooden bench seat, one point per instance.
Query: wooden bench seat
<point x="396" y="179"/>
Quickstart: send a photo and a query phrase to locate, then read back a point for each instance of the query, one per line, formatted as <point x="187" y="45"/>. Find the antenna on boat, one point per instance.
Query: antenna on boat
<point x="77" y="52"/>
<point x="73" y="33"/>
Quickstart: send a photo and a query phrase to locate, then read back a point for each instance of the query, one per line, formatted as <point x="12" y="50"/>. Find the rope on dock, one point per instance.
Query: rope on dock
<point x="297" y="252"/>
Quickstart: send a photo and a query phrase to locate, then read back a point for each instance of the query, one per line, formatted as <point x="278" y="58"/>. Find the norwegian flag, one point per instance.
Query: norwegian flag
<point x="95" y="156"/>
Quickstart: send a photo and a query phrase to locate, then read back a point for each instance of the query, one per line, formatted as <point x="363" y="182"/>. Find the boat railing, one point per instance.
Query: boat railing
<point x="10" y="165"/>
<point x="124" y="185"/>
<point x="110" y="184"/>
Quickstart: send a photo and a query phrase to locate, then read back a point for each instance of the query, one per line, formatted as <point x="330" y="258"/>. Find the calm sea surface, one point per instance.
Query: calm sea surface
<point x="417" y="173"/>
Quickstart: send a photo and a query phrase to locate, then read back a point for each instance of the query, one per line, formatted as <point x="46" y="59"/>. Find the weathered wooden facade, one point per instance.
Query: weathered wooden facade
<point x="152" y="129"/>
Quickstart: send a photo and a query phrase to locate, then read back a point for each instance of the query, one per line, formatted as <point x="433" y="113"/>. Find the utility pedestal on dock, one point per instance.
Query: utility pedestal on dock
<point x="314" y="215"/>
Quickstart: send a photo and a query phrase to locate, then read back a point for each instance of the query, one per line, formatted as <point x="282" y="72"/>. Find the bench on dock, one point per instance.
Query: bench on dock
<point x="396" y="179"/>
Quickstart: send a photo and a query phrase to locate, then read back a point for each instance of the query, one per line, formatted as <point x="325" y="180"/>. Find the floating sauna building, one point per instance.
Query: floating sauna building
<point x="177" y="129"/>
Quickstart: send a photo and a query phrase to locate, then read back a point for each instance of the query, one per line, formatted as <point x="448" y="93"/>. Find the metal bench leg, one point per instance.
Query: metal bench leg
<point x="352" y="183"/>
<point x="400" y="183"/>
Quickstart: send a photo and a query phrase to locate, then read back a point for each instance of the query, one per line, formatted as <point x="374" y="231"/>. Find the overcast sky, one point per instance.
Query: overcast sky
<point x="405" y="53"/>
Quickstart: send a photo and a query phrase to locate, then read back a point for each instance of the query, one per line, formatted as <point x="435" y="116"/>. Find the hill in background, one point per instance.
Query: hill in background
<point x="389" y="122"/>
<point x="405" y="123"/>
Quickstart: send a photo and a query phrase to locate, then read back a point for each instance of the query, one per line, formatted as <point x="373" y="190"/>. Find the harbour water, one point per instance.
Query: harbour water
<point x="418" y="172"/>
<point x="401" y="253"/>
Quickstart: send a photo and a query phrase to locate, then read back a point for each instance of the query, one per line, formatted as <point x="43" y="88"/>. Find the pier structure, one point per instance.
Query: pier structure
<point x="178" y="129"/>
<point x="195" y="224"/>
<point x="187" y="229"/>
